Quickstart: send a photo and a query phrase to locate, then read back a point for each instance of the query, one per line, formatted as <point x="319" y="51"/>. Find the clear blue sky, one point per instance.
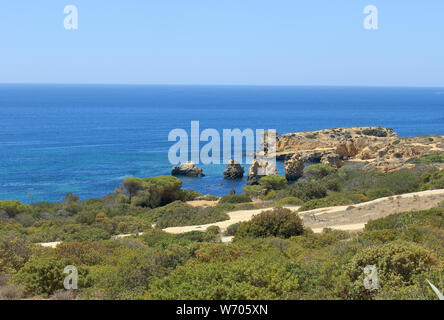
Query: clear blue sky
<point x="263" y="42"/>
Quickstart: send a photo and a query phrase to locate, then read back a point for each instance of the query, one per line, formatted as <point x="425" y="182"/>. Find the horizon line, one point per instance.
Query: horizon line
<point x="218" y="85"/>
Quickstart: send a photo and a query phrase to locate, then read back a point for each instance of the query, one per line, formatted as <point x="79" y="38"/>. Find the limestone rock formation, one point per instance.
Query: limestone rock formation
<point x="333" y="160"/>
<point x="380" y="147"/>
<point x="260" y="168"/>
<point x="294" y="167"/>
<point x="187" y="169"/>
<point x="346" y="149"/>
<point x="389" y="166"/>
<point x="234" y="170"/>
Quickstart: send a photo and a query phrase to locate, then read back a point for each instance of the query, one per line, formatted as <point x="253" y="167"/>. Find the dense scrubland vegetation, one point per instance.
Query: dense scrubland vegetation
<point x="272" y="256"/>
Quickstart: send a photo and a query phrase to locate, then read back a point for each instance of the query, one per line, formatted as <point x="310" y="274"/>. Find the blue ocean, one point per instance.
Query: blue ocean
<point x="85" y="139"/>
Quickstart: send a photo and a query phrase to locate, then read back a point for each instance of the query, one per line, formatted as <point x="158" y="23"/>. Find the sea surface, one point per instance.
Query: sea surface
<point x="86" y="138"/>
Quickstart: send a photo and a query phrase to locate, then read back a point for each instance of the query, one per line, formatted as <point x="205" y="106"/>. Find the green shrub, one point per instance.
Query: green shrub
<point x="90" y="234"/>
<point x="214" y="230"/>
<point x="181" y="214"/>
<point x="13" y="207"/>
<point x="14" y="253"/>
<point x="44" y="276"/>
<point x="378" y="193"/>
<point x="241" y="198"/>
<point x="189" y="195"/>
<point x="278" y="222"/>
<point x="338" y="200"/>
<point x="433" y="217"/>
<point x="83" y="253"/>
<point x="307" y="190"/>
<point x="288" y="201"/>
<point x="318" y="171"/>
<point x="431" y="158"/>
<point x="332" y="182"/>
<point x="397" y="263"/>
<point x="273" y="182"/>
<point x="210" y="197"/>
<point x="152" y="192"/>
<point x="254" y="191"/>
<point x="232" y="229"/>
<point x="359" y="181"/>
<point x="262" y="276"/>
<point x="377" y="236"/>
<point x="328" y="237"/>
<point x="376" y="132"/>
<point x="433" y="180"/>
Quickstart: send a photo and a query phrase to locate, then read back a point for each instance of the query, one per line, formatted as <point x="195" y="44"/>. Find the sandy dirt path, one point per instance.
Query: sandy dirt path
<point x="354" y="217"/>
<point x="235" y="217"/>
<point x="347" y="218"/>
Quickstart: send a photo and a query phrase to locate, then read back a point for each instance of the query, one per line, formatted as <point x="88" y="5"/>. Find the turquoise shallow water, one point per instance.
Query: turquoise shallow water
<point x="85" y="139"/>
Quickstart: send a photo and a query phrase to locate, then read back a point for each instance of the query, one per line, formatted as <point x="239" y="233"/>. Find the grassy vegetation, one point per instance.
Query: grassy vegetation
<point x="272" y="256"/>
<point x="431" y="158"/>
<point x="377" y="132"/>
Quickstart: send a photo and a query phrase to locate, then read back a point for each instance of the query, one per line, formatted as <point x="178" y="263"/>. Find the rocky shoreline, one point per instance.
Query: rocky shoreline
<point x="377" y="147"/>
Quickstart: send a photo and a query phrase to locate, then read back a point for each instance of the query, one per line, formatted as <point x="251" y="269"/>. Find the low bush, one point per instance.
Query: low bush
<point x="254" y="191"/>
<point x="378" y="193"/>
<point x="288" y="201"/>
<point x="234" y="198"/>
<point x="232" y="229"/>
<point x="181" y="214"/>
<point x="189" y="195"/>
<point x="278" y="222"/>
<point x="318" y="171"/>
<point x="210" y="197"/>
<point x="44" y="276"/>
<point x="434" y="180"/>
<point x="397" y="263"/>
<point x="307" y="190"/>
<point x="90" y="234"/>
<point x="273" y="182"/>
<point x="376" y="132"/>
<point x="338" y="200"/>
<point x="431" y="158"/>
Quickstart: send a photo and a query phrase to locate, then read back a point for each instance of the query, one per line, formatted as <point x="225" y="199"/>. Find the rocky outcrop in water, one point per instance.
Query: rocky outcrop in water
<point x="234" y="170"/>
<point x="260" y="168"/>
<point x="294" y="167"/>
<point x="187" y="169"/>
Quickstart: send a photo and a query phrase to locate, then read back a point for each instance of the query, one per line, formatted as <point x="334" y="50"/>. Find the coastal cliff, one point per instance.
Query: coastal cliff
<point x="377" y="147"/>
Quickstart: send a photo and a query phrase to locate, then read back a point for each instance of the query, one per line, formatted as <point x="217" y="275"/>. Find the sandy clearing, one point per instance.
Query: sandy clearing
<point x="344" y="227"/>
<point x="235" y="217"/>
<point x="50" y="244"/>
<point x="202" y="203"/>
<point x="359" y="214"/>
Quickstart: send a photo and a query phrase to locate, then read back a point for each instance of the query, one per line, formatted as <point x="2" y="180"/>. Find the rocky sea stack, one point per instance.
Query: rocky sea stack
<point x="294" y="167"/>
<point x="259" y="169"/>
<point x="187" y="169"/>
<point x="234" y="170"/>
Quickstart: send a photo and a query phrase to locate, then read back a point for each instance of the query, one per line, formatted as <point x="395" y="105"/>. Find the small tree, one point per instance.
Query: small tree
<point x="130" y="186"/>
<point x="273" y="182"/>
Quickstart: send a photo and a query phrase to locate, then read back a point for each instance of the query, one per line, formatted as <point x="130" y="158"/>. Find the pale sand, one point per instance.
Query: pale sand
<point x="202" y="203"/>
<point x="351" y="216"/>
